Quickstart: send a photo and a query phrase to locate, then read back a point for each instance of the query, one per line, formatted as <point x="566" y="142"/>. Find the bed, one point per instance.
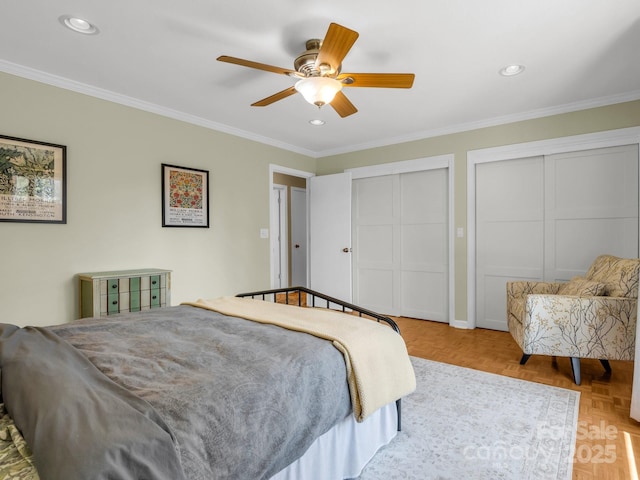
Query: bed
<point x="247" y="387"/>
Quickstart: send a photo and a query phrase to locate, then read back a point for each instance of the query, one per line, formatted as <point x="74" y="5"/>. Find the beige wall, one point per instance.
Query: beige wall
<point x="114" y="220"/>
<point x="576" y="123"/>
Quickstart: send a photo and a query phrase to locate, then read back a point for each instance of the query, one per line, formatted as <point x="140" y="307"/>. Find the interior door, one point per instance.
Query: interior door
<point x="330" y="235"/>
<point x="298" y="245"/>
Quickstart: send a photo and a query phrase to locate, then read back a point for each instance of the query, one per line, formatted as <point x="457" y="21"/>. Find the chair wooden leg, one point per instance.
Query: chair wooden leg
<point x="575" y="367"/>
<point x="524" y="358"/>
<point x="606" y="365"/>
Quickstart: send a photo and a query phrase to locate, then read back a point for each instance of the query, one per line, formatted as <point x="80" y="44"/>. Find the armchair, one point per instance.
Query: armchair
<point x="588" y="317"/>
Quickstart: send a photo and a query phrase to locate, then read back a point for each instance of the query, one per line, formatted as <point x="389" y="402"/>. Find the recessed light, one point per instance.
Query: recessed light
<point x="511" y="70"/>
<point x="79" y="25"/>
<point x="317" y="122"/>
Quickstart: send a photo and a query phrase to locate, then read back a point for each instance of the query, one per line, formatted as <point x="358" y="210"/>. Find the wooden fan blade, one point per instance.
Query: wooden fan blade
<point x="342" y="105"/>
<point x="382" y="80"/>
<point x="259" y="66"/>
<point x="275" y="97"/>
<point x="335" y="46"/>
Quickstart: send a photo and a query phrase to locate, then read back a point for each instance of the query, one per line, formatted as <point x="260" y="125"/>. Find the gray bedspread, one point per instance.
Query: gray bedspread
<point x="172" y="393"/>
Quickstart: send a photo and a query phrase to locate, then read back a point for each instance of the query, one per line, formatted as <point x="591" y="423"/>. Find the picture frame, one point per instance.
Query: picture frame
<point x="33" y="181"/>
<point x="185" y="197"/>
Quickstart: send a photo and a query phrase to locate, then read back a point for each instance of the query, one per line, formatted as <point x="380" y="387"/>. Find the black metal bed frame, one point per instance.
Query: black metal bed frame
<point x="271" y="295"/>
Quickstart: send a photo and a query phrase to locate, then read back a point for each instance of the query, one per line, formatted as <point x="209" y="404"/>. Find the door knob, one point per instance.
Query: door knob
<point x="297" y="246"/>
<point x="346" y="249"/>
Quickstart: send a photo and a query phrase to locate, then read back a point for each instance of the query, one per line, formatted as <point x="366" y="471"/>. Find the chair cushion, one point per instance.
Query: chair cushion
<point x="619" y="274"/>
<point x="582" y="287"/>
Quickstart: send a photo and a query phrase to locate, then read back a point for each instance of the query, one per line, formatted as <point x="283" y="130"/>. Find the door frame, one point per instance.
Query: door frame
<point x="418" y="165"/>
<point x="279" y="239"/>
<point x="273" y="168"/>
<point x="589" y="141"/>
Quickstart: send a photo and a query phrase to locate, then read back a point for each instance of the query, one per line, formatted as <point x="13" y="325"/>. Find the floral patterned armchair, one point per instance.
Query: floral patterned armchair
<point x="588" y="317"/>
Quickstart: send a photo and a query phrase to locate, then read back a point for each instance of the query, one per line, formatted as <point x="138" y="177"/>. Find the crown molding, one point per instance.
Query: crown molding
<point x="490" y="122"/>
<point x="85" y="89"/>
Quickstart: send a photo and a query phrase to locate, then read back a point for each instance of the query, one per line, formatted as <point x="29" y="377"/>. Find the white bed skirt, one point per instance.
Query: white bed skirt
<point x="343" y="451"/>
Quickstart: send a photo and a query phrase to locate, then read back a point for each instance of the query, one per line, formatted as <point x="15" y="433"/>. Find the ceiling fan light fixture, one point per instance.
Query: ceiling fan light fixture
<point x="318" y="91"/>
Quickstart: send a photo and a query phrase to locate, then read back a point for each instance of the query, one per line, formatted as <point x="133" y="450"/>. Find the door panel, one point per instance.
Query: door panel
<point x="330" y="235"/>
<point x="424" y="223"/>
<point x="423" y="294"/>
<point x="509" y="232"/>
<point x="375" y="272"/>
<point x="376" y="289"/>
<point x="591" y="201"/>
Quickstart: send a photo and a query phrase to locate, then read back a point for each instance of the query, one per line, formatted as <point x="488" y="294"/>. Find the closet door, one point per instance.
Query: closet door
<point x="400" y="235"/>
<point x="547" y="218"/>
<point x="423" y="252"/>
<point x="330" y="235"/>
<point x="509" y="232"/>
<point x="376" y="281"/>
<point x="591" y="208"/>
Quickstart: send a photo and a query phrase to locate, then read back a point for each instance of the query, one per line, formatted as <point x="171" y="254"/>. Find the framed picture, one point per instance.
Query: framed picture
<point x="32" y="181"/>
<point x="185" y="197"/>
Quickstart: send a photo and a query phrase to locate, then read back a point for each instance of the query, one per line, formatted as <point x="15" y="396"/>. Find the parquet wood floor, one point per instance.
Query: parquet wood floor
<point x="607" y="439"/>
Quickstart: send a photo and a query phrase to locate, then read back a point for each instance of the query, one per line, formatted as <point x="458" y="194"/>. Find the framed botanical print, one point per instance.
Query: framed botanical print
<point x="32" y="181"/>
<point x="185" y="197"/>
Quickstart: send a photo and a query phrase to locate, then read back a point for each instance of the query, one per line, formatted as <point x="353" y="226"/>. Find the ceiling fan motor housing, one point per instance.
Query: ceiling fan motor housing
<point x="306" y="61"/>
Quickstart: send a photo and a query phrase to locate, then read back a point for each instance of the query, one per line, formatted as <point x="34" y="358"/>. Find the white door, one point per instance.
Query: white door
<point x="330" y="235"/>
<point x="509" y="233"/>
<point x="591" y="201"/>
<point x="376" y="279"/>
<point x="400" y="229"/>
<point x="298" y="245"/>
<point x="279" y="242"/>
<point x="424" y="227"/>
<point x="547" y="218"/>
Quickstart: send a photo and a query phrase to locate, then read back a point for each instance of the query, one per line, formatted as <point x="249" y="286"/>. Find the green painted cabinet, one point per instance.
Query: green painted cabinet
<point x="110" y="293"/>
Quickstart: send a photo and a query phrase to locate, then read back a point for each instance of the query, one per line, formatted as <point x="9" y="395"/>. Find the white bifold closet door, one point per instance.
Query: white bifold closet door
<point x="548" y="217"/>
<point x="400" y="238"/>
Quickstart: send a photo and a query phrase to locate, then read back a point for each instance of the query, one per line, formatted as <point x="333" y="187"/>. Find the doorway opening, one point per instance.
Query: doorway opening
<point x="288" y="226"/>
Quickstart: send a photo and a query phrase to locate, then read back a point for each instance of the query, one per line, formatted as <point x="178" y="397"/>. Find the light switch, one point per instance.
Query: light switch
<point x="264" y="233"/>
<point x="460" y="232"/>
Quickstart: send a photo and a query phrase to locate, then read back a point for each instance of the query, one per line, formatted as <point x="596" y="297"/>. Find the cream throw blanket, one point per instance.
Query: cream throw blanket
<point x="378" y="366"/>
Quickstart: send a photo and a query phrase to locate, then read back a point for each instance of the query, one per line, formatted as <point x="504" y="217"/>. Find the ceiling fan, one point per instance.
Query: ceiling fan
<point x="318" y="70"/>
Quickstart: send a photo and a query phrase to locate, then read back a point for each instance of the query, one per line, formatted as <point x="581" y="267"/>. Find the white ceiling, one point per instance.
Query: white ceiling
<point x="160" y="55"/>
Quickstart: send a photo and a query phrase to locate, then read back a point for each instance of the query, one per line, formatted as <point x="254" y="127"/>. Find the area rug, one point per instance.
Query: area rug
<point x="466" y="424"/>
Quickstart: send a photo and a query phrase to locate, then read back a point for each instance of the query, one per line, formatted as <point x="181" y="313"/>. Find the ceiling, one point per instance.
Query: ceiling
<point x="160" y="56"/>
